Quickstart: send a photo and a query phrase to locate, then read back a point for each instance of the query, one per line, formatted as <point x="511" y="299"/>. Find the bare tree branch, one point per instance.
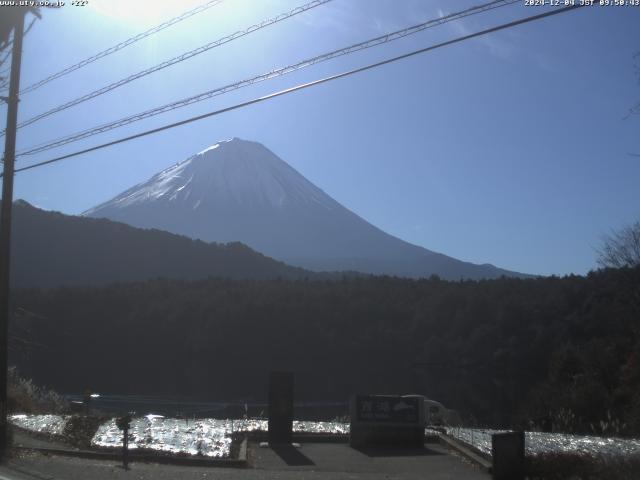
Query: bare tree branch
<point x="621" y="248"/>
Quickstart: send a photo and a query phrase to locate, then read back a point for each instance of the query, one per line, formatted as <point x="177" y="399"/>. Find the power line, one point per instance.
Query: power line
<point x="265" y="76"/>
<point x="6" y="57"/>
<point x="3" y="60"/>
<point x="8" y="54"/>
<point x="173" y="61"/>
<point x="5" y="84"/>
<point x="121" y="45"/>
<point x="33" y="20"/>
<point x="306" y="85"/>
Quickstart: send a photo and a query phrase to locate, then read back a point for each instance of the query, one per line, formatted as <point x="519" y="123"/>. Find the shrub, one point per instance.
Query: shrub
<point x="26" y="397"/>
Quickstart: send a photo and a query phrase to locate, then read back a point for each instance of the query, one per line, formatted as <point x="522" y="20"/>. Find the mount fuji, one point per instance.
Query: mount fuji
<point x="239" y="190"/>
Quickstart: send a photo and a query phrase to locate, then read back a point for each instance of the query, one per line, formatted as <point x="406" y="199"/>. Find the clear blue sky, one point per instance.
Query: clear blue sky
<point x="512" y="149"/>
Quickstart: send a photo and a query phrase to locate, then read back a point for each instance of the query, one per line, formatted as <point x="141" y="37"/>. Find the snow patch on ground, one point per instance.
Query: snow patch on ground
<point x="538" y="443"/>
<point x="49" y="424"/>
<point x="206" y="436"/>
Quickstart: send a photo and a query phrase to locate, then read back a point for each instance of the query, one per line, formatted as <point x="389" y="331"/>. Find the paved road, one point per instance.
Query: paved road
<point x="311" y="461"/>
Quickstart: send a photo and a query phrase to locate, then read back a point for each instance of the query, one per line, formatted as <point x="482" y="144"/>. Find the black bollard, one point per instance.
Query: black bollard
<point x="280" y="408"/>
<point x="507" y="451"/>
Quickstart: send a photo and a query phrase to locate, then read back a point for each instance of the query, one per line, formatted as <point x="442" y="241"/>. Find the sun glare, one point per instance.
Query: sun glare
<point x="143" y="12"/>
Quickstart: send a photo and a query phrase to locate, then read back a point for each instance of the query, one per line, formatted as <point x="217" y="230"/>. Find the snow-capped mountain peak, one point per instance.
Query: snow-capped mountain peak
<point x="238" y="190"/>
<point x="230" y="172"/>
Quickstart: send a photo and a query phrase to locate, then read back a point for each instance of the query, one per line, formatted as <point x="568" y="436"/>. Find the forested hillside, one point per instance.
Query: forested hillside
<point x="50" y="249"/>
<point x="560" y="352"/>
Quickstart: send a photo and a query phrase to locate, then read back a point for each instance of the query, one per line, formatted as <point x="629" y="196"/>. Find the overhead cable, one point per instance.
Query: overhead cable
<point x="370" y="66"/>
<point x="173" y="61"/>
<point x="121" y="45"/>
<point x="265" y="76"/>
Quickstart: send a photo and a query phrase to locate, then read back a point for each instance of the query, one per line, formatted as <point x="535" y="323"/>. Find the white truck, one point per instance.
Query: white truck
<point x="436" y="414"/>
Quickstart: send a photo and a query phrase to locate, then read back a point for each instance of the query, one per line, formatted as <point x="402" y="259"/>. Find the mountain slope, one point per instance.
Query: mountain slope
<point x="52" y="249"/>
<point x="240" y="191"/>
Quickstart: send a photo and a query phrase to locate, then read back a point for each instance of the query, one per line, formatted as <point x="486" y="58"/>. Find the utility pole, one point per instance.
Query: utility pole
<point x="5" y="220"/>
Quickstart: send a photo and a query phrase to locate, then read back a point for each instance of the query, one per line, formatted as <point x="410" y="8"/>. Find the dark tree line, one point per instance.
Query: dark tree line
<point x="560" y="352"/>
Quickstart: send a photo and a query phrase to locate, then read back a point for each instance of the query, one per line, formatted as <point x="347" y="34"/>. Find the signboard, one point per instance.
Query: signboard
<point x="387" y="409"/>
<point x="389" y="420"/>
